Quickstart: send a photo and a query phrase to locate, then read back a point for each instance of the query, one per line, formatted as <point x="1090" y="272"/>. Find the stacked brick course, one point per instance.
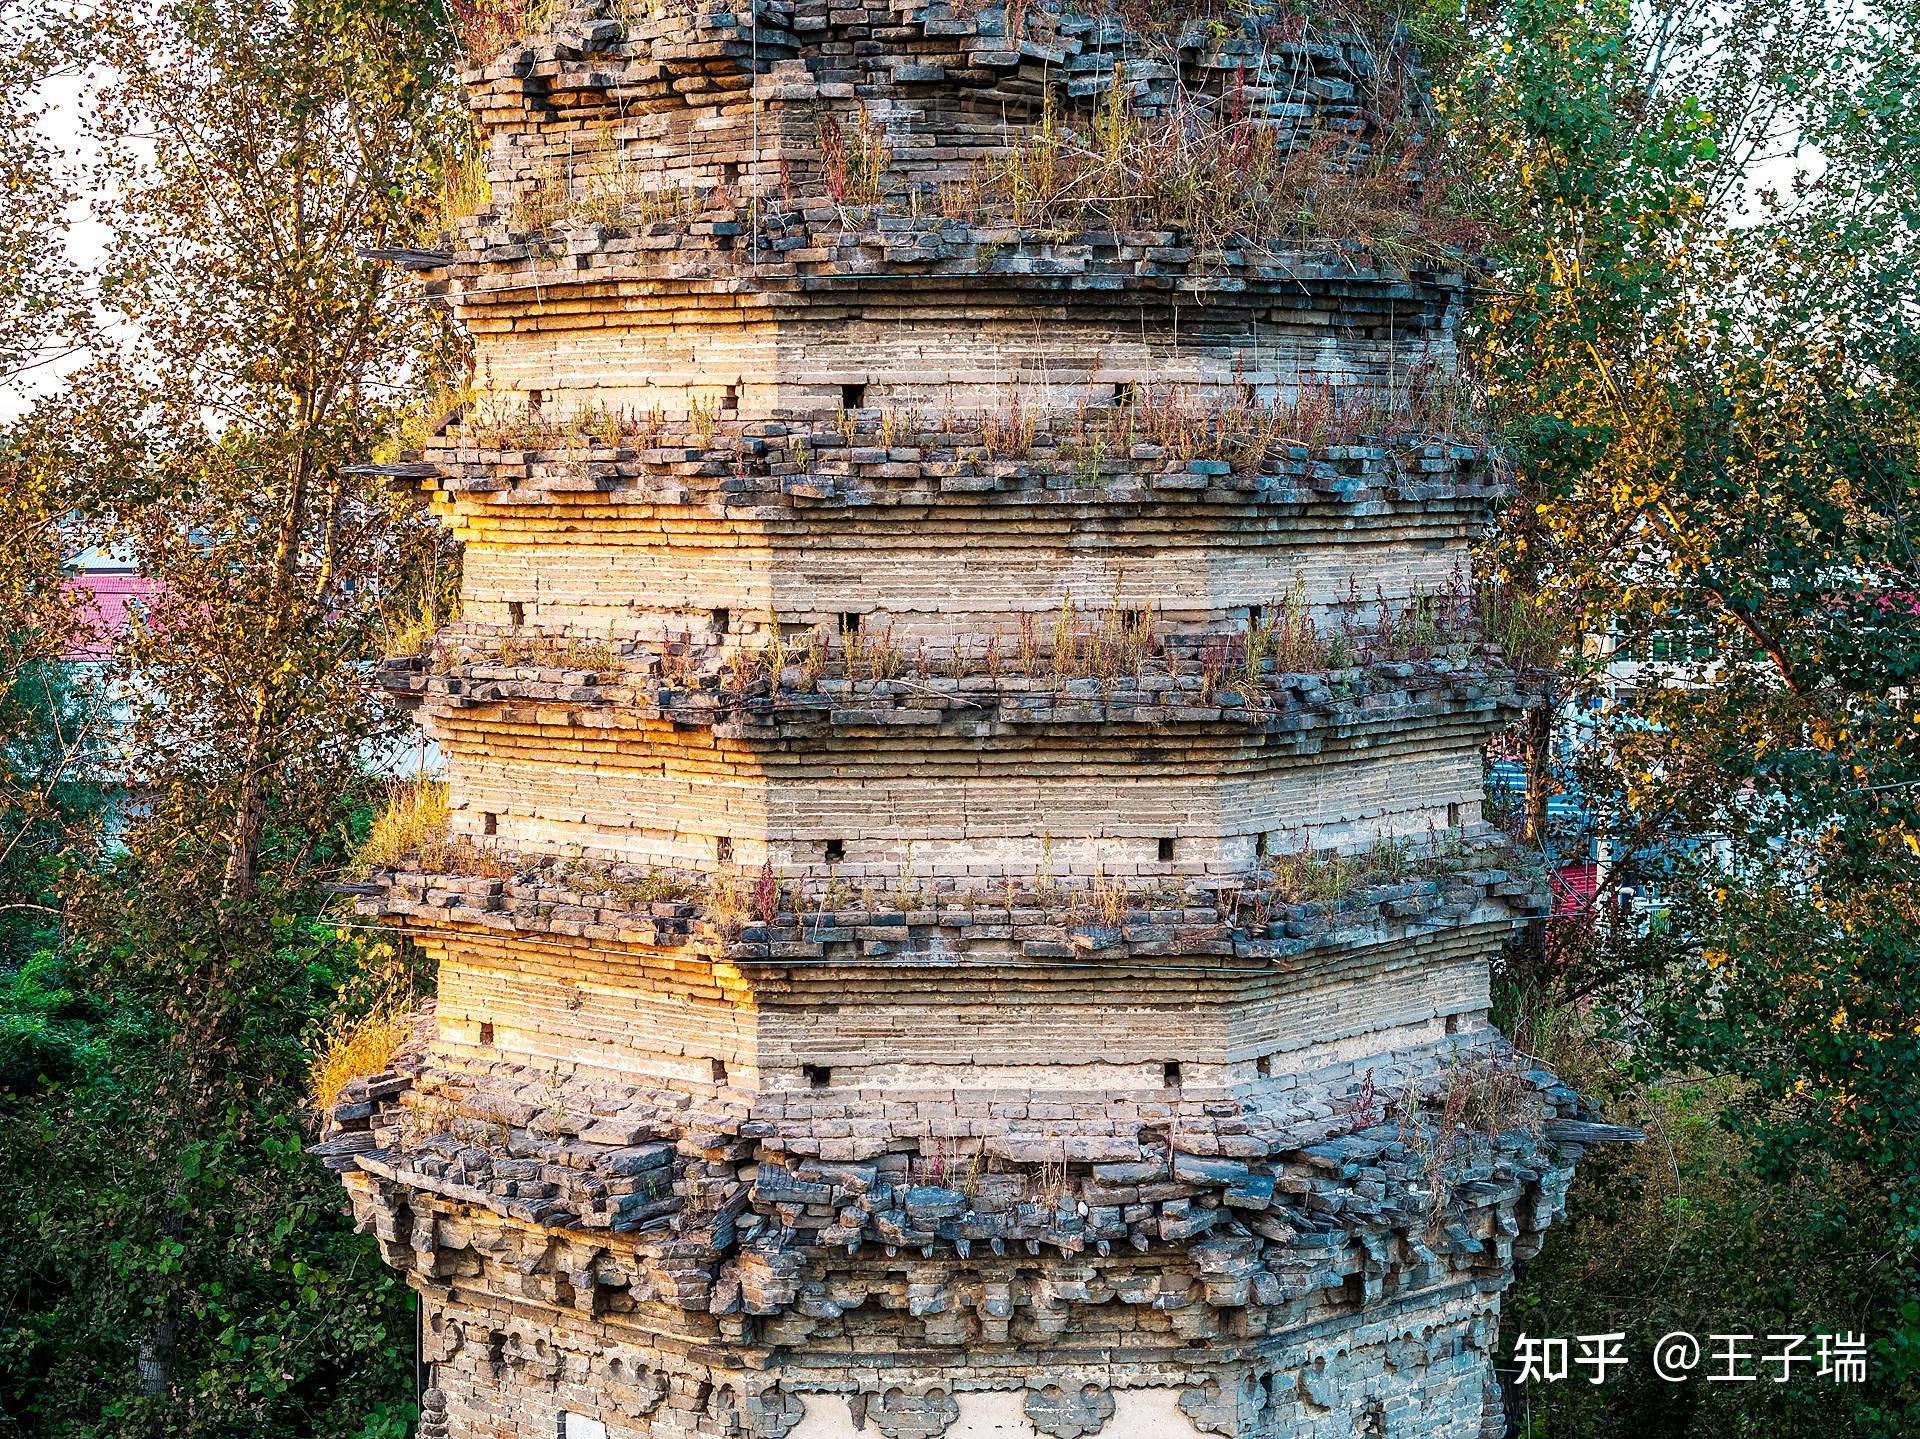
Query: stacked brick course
<point x="966" y="908"/>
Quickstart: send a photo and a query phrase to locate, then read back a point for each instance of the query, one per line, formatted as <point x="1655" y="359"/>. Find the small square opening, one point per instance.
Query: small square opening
<point x="1170" y="1074"/>
<point x="849" y="622"/>
<point x="535" y="399"/>
<point x="818" y="1076"/>
<point x="719" y="1070"/>
<point x="1453" y="816"/>
<point x="1126" y="395"/>
<point x="836" y="850"/>
<point x="1165" y="848"/>
<point x="486" y="1031"/>
<point x="489" y="822"/>
<point x="516" y="613"/>
<point x="1260" y="846"/>
<point x="723" y="850"/>
<point x="852" y="397"/>
<point x="722" y="621"/>
<point x="1263" y="1066"/>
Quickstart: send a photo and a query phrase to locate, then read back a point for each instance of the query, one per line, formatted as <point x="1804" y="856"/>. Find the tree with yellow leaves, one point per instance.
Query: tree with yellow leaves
<point x="1708" y="390"/>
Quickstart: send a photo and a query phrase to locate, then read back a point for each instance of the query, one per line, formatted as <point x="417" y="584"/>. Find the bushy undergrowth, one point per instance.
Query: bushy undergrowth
<point x="1682" y="1233"/>
<point x="286" y="1321"/>
<point x="1695" y="1229"/>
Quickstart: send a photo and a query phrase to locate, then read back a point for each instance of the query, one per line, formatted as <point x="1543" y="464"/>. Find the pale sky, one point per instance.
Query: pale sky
<point x="86" y="237"/>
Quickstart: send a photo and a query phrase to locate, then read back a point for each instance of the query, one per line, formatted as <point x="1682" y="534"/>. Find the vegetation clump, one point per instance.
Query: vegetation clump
<point x="370" y="1021"/>
<point x="413" y="824"/>
<point x="1219" y="174"/>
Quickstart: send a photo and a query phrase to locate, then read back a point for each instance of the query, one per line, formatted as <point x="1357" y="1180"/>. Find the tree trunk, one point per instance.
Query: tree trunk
<point x="250" y="806"/>
<point x="1539" y="755"/>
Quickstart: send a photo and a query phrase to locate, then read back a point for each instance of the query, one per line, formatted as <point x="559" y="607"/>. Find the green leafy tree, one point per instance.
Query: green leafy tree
<point x="1708" y="392"/>
<point x="43" y="317"/>
<point x="45" y="729"/>
<point x="182" y="1268"/>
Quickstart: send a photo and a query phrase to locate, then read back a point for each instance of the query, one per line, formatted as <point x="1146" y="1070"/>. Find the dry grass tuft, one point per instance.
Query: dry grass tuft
<point x="408" y="634"/>
<point x="467" y="191"/>
<point x="1490" y="1093"/>
<point x="353" y="1049"/>
<point x="414" y="823"/>
<point x="854" y="159"/>
<point x="486" y="27"/>
<point x="1221" y="172"/>
<point x="362" y="1038"/>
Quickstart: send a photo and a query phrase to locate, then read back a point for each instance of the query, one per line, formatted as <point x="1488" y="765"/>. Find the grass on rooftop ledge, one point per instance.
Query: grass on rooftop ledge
<point x="1225" y="170"/>
<point x="372" y="1019"/>
<point x="1111" y="645"/>
<point x="1421" y="404"/>
<point x="412" y="824"/>
<point x="1224" y="177"/>
<point x="1280" y="887"/>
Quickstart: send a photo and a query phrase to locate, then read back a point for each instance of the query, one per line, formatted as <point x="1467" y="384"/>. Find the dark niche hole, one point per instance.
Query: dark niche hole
<point x="836" y="850"/>
<point x="1165" y="850"/>
<point x="1259" y="846"/>
<point x="1170" y="1074"/>
<point x="818" y="1076"/>
<point x="1263" y="1066"/>
<point x="719" y="1070"/>
<point x="1126" y="395"/>
<point x="489" y="822"/>
<point x="516" y="613"/>
<point x="852" y="397"/>
<point x="849" y="622"/>
<point x="486" y="1031"/>
<point x="722" y="620"/>
<point x="723" y="850"/>
<point x="1453" y="816"/>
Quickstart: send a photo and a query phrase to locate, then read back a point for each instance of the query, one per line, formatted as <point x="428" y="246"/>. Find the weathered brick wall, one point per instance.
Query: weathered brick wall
<point x="1103" y="1028"/>
<point x="966" y="807"/>
<point x="633" y="576"/>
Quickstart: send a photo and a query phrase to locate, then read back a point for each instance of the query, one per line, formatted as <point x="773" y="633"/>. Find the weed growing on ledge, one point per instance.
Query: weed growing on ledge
<point x="1221" y="171"/>
<point x="414" y="823"/>
<point x="368" y="1026"/>
<point x="486" y="27"/>
<point x="854" y="158"/>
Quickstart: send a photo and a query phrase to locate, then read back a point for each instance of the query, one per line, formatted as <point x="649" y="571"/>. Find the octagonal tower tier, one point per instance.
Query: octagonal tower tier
<point x="965" y="907"/>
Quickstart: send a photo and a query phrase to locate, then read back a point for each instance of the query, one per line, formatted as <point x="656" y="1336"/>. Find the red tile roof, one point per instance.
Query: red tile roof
<point x="109" y="603"/>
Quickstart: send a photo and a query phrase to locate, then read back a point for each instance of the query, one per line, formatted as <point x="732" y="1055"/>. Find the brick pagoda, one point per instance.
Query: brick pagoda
<point x="966" y="908"/>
